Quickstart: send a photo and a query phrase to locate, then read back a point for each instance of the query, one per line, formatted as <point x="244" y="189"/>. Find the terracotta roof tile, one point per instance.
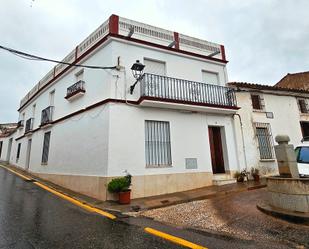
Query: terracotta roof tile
<point x="266" y="87"/>
<point x="295" y="81"/>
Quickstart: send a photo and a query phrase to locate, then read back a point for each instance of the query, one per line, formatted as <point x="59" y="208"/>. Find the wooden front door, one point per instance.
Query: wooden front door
<point x="216" y="150"/>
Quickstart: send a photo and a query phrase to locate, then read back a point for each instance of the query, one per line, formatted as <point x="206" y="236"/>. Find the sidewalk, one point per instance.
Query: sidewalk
<point x="154" y="201"/>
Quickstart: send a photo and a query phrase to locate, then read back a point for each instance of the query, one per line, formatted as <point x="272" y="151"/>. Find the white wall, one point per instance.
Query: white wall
<point x="189" y="139"/>
<point x="286" y="121"/>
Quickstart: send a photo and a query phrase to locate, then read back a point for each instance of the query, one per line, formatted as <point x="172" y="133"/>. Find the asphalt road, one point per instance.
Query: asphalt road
<point x="31" y="217"/>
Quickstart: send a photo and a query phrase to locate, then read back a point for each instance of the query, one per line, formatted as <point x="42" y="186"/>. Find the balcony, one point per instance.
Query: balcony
<point x="29" y="125"/>
<point x="20" y="124"/>
<point x="47" y="116"/>
<point x="75" y="90"/>
<point x="167" y="92"/>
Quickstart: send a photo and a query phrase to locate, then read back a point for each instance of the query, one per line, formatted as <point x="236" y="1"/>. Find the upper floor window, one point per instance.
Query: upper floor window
<point x="51" y="98"/>
<point x="302" y="105"/>
<point x="210" y="77"/>
<point x="79" y="75"/>
<point x="155" y="67"/>
<point x="33" y="110"/>
<point x="257" y="102"/>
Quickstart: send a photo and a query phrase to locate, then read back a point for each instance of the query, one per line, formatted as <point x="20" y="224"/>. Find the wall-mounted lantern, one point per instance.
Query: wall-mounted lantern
<point x="137" y="71"/>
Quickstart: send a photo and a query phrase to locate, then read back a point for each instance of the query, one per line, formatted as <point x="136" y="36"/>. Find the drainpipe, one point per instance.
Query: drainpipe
<point x="243" y="139"/>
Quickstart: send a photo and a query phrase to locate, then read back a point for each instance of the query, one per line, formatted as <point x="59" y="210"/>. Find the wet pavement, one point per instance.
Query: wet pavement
<point x="235" y="216"/>
<point x="33" y="218"/>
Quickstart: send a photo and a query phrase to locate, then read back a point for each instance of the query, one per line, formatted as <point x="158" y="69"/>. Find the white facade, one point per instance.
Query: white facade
<point x="284" y="117"/>
<point x="101" y="133"/>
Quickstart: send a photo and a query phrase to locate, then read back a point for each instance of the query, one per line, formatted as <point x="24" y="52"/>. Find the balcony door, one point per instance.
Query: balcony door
<point x="155" y="84"/>
<point x="216" y="149"/>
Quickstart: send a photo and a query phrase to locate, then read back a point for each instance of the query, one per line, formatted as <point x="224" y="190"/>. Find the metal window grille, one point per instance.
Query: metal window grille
<point x="46" y="147"/>
<point x="18" y="151"/>
<point x="157" y="143"/>
<point x="265" y="140"/>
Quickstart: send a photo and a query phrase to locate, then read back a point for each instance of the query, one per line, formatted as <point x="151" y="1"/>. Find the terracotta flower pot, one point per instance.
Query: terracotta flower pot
<point x="125" y="197"/>
<point x="256" y="178"/>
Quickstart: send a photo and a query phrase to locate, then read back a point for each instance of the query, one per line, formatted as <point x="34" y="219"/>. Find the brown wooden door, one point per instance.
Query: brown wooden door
<point x="216" y="150"/>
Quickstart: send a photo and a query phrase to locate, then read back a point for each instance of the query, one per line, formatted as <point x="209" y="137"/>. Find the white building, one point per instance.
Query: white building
<point x="267" y="111"/>
<point x="80" y="127"/>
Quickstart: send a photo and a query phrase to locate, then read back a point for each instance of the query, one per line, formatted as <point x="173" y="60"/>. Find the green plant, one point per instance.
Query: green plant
<point x="255" y="172"/>
<point x="120" y="184"/>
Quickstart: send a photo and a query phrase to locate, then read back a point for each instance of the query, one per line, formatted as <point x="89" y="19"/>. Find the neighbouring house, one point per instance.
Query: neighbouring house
<point x="295" y="81"/>
<point x="173" y="130"/>
<point x="6" y="133"/>
<point x="267" y="111"/>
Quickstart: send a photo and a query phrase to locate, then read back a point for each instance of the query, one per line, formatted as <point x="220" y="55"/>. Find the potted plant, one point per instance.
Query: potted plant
<point x="121" y="186"/>
<point x="240" y="176"/>
<point x="255" y="174"/>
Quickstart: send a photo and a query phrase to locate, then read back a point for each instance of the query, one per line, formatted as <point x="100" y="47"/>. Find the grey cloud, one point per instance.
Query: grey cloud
<point x="264" y="39"/>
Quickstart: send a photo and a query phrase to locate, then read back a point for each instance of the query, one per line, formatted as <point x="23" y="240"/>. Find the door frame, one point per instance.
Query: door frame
<point x="29" y="143"/>
<point x="223" y="148"/>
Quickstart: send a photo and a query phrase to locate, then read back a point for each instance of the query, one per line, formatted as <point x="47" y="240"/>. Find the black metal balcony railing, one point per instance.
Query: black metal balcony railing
<point x="163" y="87"/>
<point x="75" y="88"/>
<point x="20" y="123"/>
<point x="29" y="125"/>
<point x="47" y="115"/>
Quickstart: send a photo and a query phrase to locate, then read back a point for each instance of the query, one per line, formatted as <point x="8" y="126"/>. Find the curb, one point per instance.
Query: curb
<point x="298" y="218"/>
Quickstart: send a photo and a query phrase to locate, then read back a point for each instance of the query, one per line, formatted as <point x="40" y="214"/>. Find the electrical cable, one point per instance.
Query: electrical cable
<point x="39" y="58"/>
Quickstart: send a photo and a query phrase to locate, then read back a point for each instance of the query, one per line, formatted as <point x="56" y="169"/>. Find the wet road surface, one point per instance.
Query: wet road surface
<point x="33" y="218"/>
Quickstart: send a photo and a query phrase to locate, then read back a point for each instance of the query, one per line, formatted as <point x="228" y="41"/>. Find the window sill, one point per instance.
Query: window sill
<point x="268" y="160"/>
<point x="158" y="166"/>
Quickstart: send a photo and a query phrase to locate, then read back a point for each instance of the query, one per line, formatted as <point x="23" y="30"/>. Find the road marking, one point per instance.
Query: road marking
<point x="173" y="239"/>
<point x="16" y="173"/>
<point x="63" y="196"/>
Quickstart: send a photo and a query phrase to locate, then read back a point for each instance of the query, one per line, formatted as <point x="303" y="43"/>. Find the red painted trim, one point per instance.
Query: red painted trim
<point x="223" y="52"/>
<point x="176" y="38"/>
<point x="187" y="103"/>
<point x="66" y="69"/>
<point x="124" y="38"/>
<point x="167" y="48"/>
<point x="113" y="24"/>
<point x="132" y="102"/>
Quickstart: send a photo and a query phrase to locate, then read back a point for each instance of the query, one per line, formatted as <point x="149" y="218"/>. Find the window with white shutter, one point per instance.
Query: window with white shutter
<point x="210" y="78"/>
<point x="46" y="143"/>
<point x="157" y="143"/>
<point x="154" y="67"/>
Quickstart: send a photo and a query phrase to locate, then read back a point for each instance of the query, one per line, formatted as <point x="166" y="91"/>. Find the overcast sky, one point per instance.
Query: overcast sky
<point x="264" y="39"/>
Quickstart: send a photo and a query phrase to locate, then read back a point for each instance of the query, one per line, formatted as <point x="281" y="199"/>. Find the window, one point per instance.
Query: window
<point x="18" y="152"/>
<point x="157" y="143"/>
<point x="51" y="98"/>
<point x="265" y="140"/>
<point x="79" y="75"/>
<point x="33" y="110"/>
<point x="257" y="102"/>
<point x="302" y="105"/>
<point x="210" y="78"/>
<point x="305" y="129"/>
<point x="45" y="147"/>
<point x="1" y="143"/>
<point x="154" y="67"/>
